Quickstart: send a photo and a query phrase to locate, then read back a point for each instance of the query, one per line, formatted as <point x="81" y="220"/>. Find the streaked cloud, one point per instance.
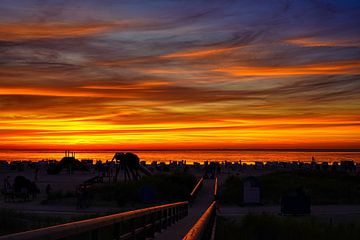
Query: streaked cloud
<point x="167" y="74"/>
<point x="24" y="31"/>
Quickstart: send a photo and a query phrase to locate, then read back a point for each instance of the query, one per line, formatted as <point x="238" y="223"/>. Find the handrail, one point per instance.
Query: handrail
<point x="216" y="188"/>
<point x="196" y="189"/>
<point x="153" y="218"/>
<point x="197" y="232"/>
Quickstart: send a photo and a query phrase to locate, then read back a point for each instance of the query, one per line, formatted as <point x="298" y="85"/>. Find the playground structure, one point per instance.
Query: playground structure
<point x="69" y="162"/>
<point x="130" y="164"/>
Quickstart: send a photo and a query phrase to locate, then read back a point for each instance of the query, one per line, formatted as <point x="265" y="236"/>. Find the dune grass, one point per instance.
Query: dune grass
<point x="271" y="227"/>
<point x="156" y="188"/>
<point x="323" y="187"/>
<point x="15" y="221"/>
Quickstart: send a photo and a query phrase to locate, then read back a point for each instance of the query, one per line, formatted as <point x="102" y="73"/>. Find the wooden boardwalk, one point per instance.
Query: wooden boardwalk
<point x="201" y="203"/>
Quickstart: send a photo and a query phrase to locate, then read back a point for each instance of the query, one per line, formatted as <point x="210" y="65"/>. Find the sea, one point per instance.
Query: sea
<point x="191" y="155"/>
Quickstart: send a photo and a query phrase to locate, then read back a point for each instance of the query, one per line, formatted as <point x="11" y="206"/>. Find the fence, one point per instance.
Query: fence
<point x="196" y="189"/>
<point x="203" y="227"/>
<point x="216" y="187"/>
<point x="138" y="224"/>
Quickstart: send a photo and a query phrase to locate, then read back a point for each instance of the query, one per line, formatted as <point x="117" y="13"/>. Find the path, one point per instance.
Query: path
<point x="201" y="203"/>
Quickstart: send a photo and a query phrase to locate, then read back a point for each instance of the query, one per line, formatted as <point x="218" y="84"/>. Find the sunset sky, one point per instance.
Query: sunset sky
<point x="169" y="74"/>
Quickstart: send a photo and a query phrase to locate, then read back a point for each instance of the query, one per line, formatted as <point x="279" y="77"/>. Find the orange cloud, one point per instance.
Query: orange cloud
<point x="23" y="31"/>
<point x="322" y="42"/>
<point x="135" y="86"/>
<point x="46" y="92"/>
<point x="315" y="69"/>
<point x="200" y="53"/>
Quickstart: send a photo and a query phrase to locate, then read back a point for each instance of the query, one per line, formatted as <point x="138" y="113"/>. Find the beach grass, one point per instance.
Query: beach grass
<point x="324" y="187"/>
<point x="16" y="221"/>
<point x="272" y="227"/>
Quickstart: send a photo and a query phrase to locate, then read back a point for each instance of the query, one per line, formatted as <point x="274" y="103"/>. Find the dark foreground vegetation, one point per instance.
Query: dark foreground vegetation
<point x="271" y="227"/>
<point x="323" y="187"/>
<point x="157" y="188"/>
<point x="150" y="190"/>
<point x="12" y="221"/>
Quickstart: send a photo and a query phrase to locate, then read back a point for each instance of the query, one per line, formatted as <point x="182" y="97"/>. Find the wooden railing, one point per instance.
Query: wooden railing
<point x="196" y="189"/>
<point x="138" y="224"/>
<point x="203" y="227"/>
<point x="216" y="189"/>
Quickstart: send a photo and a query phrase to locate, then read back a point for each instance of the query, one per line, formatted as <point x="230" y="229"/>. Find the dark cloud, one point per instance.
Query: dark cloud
<point x="190" y="69"/>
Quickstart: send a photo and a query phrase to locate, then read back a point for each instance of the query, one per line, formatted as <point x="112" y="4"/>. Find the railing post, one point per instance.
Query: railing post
<point x="216" y="189"/>
<point x="168" y="216"/>
<point x="171" y="215"/>
<point x="143" y="231"/>
<point x="117" y="231"/>
<point x="95" y="234"/>
<point x="157" y="222"/>
<point x="133" y="228"/>
<point x="196" y="190"/>
<point x="184" y="211"/>
<point x="158" y="219"/>
<point x="150" y="220"/>
<point x="176" y="213"/>
<point x="165" y="219"/>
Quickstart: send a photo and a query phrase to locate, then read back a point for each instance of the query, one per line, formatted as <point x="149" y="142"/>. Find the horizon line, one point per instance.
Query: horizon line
<point x="193" y="149"/>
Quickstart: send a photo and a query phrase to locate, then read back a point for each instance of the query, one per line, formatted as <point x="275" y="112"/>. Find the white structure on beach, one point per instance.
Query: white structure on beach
<point x="251" y="191"/>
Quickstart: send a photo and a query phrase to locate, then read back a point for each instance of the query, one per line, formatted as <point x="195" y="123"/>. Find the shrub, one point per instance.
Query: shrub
<point x="160" y="187"/>
<point x="323" y="187"/>
<point x="14" y="221"/>
<point x="271" y="227"/>
<point x="232" y="190"/>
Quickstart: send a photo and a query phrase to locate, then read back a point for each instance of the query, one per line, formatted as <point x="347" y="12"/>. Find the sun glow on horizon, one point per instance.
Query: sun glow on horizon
<point x="98" y="76"/>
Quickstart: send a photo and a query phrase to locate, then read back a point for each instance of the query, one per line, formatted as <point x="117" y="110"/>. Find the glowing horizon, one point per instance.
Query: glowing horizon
<point x="176" y="75"/>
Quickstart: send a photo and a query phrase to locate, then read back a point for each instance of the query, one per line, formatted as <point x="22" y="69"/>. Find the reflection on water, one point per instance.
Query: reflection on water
<point x="190" y="156"/>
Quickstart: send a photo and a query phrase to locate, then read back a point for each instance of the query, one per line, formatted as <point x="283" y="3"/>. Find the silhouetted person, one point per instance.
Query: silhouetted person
<point x="33" y="190"/>
<point x="7" y="185"/>
<point x="48" y="190"/>
<point x="82" y="197"/>
<point x="36" y="173"/>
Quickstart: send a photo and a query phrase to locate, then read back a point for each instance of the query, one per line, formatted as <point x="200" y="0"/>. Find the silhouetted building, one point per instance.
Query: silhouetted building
<point x="347" y="165"/>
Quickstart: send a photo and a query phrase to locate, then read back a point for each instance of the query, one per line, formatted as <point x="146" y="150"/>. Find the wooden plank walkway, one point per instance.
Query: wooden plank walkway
<point x="201" y="203"/>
